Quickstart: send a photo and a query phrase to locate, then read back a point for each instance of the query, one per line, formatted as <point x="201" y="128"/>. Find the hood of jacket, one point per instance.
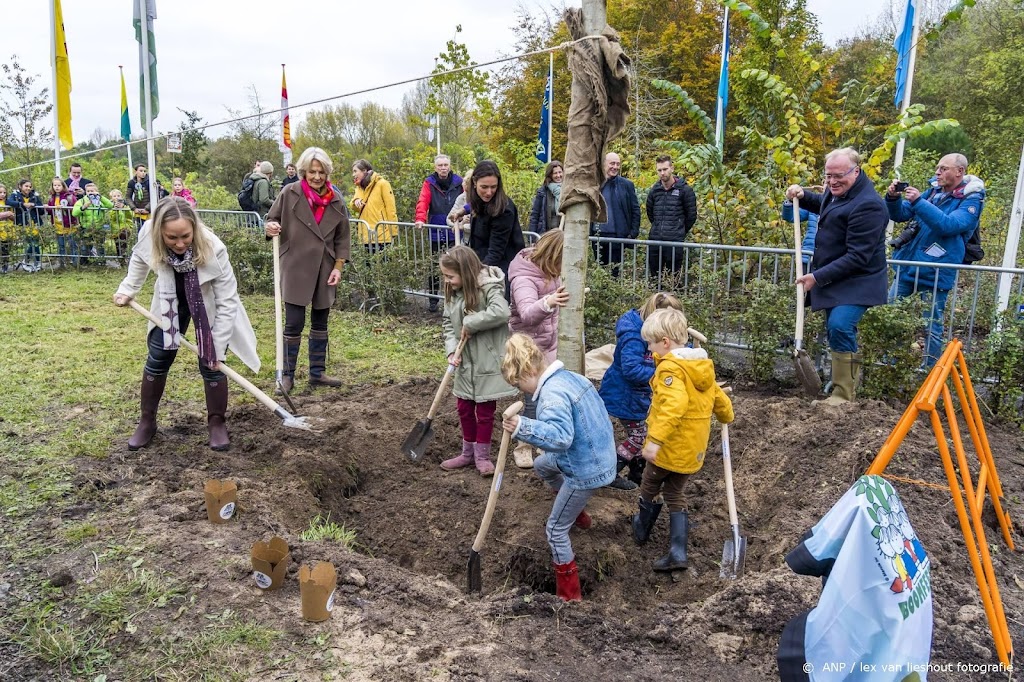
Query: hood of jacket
<point x="256" y="175"/>
<point x="492" y="275"/>
<point x="971" y="184"/>
<point x="629" y="322"/>
<point x="694" y="363"/>
<point x="523" y="266"/>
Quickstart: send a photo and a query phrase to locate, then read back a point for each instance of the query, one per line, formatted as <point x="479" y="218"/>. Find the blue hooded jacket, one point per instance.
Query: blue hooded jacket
<point x="625" y="388"/>
<point x="807" y="246"/>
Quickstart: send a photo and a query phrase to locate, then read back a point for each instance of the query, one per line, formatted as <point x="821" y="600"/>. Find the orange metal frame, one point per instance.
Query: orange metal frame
<point x="952" y="369"/>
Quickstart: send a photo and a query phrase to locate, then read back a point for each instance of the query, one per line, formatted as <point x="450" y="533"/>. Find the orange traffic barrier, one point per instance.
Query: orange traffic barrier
<point x="951" y="369"/>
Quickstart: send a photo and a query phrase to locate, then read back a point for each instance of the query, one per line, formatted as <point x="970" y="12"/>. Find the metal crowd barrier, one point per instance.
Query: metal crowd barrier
<point x="219" y="221"/>
<point x="54" y="238"/>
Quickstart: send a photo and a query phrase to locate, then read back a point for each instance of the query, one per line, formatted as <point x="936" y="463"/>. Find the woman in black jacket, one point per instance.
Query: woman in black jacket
<point x="495" y="233"/>
<point x="544" y="212"/>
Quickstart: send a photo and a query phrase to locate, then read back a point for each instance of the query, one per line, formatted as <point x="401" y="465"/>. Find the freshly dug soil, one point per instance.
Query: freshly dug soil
<point x="401" y="610"/>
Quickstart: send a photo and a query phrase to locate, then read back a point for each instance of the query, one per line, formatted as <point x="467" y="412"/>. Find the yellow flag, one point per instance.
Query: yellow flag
<point x="63" y="84"/>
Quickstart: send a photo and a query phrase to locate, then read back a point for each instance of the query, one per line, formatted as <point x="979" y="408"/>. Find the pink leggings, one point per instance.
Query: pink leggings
<point x="477" y="420"/>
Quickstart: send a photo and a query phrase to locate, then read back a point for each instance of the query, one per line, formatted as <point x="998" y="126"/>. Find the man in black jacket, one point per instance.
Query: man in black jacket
<point x="848" y="273"/>
<point x="672" y="210"/>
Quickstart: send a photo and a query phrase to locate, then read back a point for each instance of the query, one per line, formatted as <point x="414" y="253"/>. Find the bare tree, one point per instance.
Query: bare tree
<point x="24" y="112"/>
<point x="257" y="124"/>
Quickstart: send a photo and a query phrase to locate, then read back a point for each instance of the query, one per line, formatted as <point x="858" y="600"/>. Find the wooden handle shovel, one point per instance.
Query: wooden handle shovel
<point x="474" y="579"/>
<point x="734" y="552"/>
<point x="415" y="444"/>
<point x="805" y="372"/>
<point x="288" y="418"/>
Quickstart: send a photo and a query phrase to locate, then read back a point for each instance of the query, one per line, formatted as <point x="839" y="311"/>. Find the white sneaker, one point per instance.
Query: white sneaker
<point x="523" y="455"/>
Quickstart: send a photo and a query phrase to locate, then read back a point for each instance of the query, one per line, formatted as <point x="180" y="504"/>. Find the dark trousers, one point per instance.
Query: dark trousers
<point x="609" y="254"/>
<point x="159" y="360"/>
<point x="664" y="258"/>
<point x="668" y="483"/>
<point x="436" y="249"/>
<point x="295" y="319"/>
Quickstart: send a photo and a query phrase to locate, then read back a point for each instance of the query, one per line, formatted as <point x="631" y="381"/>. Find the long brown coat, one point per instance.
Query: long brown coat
<point x="304" y="244"/>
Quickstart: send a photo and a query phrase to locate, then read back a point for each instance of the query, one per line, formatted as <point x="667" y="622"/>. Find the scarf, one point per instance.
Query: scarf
<point x="317" y="202"/>
<point x="193" y="294"/>
<point x="444" y="183"/>
<point x="556" y="189"/>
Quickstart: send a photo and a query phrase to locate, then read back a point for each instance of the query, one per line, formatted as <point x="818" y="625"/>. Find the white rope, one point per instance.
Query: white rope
<point x="271" y="112"/>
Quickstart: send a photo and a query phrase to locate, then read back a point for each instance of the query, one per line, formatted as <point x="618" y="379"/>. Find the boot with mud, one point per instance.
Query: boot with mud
<point x="523" y="455"/>
<point x="482" y="454"/>
<point x="621" y="482"/>
<point x="291" y="359"/>
<point x="845" y="378"/>
<point x="679" y="531"/>
<point x="643" y="521"/>
<point x="567" y="581"/>
<point x="152" y="390"/>
<point x="318" y="360"/>
<point x="216" y="408"/>
<point x="463" y="460"/>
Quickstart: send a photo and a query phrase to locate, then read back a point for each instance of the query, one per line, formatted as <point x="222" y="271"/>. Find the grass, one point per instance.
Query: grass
<point x="70" y="363"/>
<point x="322" y="528"/>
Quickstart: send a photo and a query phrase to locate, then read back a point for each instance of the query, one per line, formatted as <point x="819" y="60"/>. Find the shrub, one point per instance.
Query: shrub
<point x="1002" y="361"/>
<point x="887" y="335"/>
<point x="765" y="317"/>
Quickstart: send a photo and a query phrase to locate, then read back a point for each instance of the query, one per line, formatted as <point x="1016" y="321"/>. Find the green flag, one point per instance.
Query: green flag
<point x="154" y="91"/>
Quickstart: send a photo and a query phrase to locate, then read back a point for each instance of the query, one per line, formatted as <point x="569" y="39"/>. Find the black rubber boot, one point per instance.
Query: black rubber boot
<point x="679" y="527"/>
<point x="318" y="360"/>
<point x="621" y="483"/>
<point x="216" y="407"/>
<point x="152" y="390"/>
<point x="636" y="469"/>
<point x="643" y="521"/>
<point x="291" y="359"/>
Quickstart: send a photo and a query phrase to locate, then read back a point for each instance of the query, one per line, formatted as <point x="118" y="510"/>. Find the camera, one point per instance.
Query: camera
<point x="901" y="186"/>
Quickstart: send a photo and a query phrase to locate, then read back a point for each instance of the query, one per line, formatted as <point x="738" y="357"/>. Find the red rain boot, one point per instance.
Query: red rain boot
<point x="567" y="581"/>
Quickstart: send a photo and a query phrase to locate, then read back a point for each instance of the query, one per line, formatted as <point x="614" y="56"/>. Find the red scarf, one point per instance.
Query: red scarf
<point x="318" y="202"/>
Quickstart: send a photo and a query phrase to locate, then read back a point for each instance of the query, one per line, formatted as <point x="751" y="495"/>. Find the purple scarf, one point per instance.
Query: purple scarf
<point x="194" y="295"/>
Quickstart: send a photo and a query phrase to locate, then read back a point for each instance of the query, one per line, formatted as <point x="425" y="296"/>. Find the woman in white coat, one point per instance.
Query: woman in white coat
<point x="194" y="283"/>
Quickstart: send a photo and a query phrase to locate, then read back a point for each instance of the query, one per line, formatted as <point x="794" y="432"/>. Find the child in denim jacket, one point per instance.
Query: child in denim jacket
<point x="573" y="431"/>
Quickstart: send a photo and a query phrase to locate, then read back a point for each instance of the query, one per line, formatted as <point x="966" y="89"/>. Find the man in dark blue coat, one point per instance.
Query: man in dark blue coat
<point x="848" y="267"/>
<point x="672" y="210"/>
<point x="623" y="214"/>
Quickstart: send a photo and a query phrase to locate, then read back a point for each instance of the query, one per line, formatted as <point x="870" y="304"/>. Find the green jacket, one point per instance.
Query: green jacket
<point x="261" y="192"/>
<point x="121" y="218"/>
<point x="478" y="376"/>
<point x="92" y="217"/>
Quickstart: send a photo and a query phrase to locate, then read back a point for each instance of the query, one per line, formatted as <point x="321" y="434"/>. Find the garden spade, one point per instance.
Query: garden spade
<point x="415" y="444"/>
<point x="735" y="550"/>
<point x="805" y="372"/>
<point x="474" y="579"/>
<point x="278" y="325"/>
<point x="289" y="420"/>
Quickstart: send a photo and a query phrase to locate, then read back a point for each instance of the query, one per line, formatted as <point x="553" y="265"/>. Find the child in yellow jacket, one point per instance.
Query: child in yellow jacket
<point x="685" y="395"/>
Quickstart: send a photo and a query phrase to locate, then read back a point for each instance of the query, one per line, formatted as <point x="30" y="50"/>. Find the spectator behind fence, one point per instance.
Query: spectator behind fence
<point x="672" y="210"/>
<point x="437" y="198"/>
<point x="262" y="194"/>
<point x="544" y="211"/>
<point x="28" y="216"/>
<point x="138" y="195"/>
<point x="120" y="222"/>
<point x="290" y="175"/>
<point x="8" y="231"/>
<point x="93" y="214"/>
<point x="75" y="182"/>
<point x="178" y="189"/>
<point x="947" y="215"/>
<point x="312" y="221"/>
<point x="848" y="267"/>
<point x="623" y="214"/>
<point x="807" y="245"/>
<point x="62" y="200"/>
<point x="495" y="233"/>
<point x="461" y="213"/>
<point x="373" y="202"/>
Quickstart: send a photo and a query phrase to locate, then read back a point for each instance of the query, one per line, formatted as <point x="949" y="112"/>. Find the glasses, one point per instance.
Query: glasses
<point x="839" y="176"/>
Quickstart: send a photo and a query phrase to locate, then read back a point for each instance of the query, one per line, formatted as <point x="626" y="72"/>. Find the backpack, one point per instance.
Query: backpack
<point x="245" y="198"/>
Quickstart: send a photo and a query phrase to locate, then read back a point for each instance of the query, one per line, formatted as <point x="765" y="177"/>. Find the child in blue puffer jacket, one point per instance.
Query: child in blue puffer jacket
<point x="625" y="387"/>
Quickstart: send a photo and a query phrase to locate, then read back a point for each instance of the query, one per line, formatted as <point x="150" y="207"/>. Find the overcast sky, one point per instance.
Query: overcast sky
<point x="209" y="51"/>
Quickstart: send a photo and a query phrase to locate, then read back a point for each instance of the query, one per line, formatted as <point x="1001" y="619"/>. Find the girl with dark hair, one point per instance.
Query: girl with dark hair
<point x="544" y="212"/>
<point x="495" y="234"/>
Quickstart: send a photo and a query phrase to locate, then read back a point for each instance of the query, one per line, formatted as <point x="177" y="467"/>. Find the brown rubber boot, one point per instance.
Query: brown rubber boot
<point x="152" y="390"/>
<point x="318" y="360"/>
<point x="291" y="358"/>
<point x="216" y="407"/>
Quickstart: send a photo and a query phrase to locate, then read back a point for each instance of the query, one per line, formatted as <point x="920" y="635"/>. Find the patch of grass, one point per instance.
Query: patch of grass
<point x="80" y="532"/>
<point x="322" y="528"/>
<point x="228" y="649"/>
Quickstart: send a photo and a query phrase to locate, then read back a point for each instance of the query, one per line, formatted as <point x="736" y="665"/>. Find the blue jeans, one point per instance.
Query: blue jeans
<point x="933" y="315"/>
<point x="67" y="245"/>
<point x="568" y="505"/>
<point x="841" y="323"/>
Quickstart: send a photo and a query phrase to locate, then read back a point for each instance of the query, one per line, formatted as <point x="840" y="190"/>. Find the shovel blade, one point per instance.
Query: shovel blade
<point x="474" y="579"/>
<point x="734" y="555"/>
<point x="806" y="374"/>
<point x="416" y="443"/>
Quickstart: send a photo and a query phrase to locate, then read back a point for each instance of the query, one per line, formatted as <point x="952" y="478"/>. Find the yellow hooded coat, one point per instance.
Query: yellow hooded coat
<point x="685" y="396"/>
<point x="379" y="204"/>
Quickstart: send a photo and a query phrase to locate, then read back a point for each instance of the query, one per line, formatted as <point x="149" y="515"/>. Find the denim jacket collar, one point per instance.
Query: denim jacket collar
<point x="552" y="368"/>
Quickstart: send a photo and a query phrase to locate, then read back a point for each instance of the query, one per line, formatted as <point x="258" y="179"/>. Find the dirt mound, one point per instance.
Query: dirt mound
<point x="403" y="611"/>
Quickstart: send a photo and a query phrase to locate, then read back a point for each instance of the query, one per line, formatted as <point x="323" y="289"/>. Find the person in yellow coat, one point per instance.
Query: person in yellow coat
<point x="684" y="396"/>
<point x="373" y="202"/>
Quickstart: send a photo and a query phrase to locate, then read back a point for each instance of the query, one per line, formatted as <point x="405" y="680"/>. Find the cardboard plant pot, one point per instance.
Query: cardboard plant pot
<point x="221" y="496"/>
<point x="316" y="586"/>
<point x="270" y="563"/>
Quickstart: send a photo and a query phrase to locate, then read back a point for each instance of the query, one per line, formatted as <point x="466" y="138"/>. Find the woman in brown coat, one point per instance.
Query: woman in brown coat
<point x="312" y="221"/>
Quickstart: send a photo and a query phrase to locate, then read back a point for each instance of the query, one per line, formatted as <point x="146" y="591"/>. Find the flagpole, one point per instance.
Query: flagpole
<point x="551" y="104"/>
<point x="56" y="112"/>
<point x="1012" y="239"/>
<point x="905" y="104"/>
<point x="720" y="106"/>
<point x="146" y="104"/>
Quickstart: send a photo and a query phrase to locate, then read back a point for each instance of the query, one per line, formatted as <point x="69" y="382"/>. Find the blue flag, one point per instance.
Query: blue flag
<point x="904" y="46"/>
<point x="543" y="153"/>
<point x="723" y="85"/>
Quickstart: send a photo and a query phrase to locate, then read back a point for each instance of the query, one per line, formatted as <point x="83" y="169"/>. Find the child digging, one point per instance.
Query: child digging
<point x="573" y="431"/>
<point x="475" y="309"/>
<point x="678" y="426"/>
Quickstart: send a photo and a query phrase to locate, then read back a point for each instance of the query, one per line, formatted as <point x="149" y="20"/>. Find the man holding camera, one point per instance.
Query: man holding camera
<point x="848" y="267"/>
<point x="947" y="216"/>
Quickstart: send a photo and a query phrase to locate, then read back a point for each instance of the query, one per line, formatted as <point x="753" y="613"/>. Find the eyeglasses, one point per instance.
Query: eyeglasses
<point x="839" y="176"/>
<point x="943" y="169"/>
